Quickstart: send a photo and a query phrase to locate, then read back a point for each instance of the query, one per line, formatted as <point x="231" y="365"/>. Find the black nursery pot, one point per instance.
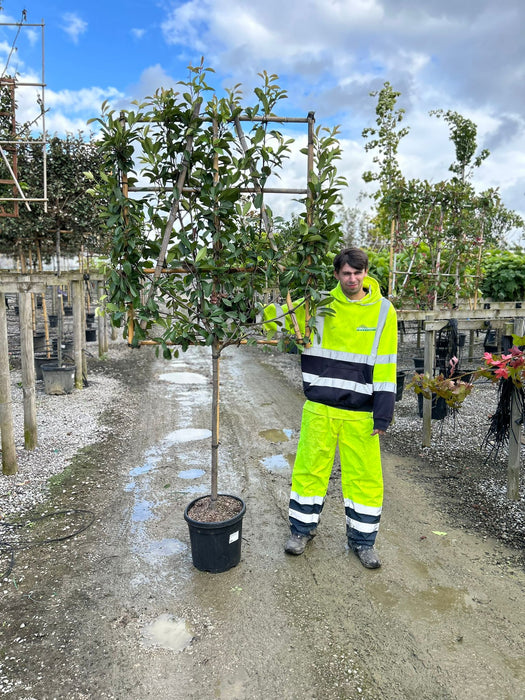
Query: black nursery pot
<point x="439" y="407"/>
<point x="400" y="385"/>
<point x="215" y="547"/>
<point x="419" y="364"/>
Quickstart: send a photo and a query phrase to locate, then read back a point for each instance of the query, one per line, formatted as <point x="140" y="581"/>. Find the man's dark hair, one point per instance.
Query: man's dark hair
<point x="355" y="257"/>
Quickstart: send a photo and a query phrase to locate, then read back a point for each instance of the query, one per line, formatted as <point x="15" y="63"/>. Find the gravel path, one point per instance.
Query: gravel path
<point x="469" y="483"/>
<point x="440" y="620"/>
<point x="65" y="424"/>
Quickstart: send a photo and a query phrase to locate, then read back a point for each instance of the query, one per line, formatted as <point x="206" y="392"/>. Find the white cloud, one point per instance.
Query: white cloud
<point x="138" y="33"/>
<point x="151" y="79"/>
<point x="74" y="26"/>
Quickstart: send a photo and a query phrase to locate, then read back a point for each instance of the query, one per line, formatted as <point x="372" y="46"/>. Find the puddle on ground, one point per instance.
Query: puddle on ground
<point x="191" y="473"/>
<point x="168" y="633"/>
<point x="183" y="378"/>
<point x="276" y="435"/>
<point x="164" y="548"/>
<point x="146" y="467"/>
<point x="141" y="511"/>
<point x="185" y="435"/>
<point x="277" y="463"/>
<point x="421" y="605"/>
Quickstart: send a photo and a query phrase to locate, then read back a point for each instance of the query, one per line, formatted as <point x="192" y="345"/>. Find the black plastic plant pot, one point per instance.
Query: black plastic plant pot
<point x="400" y="385"/>
<point x="41" y="359"/>
<point x="419" y="364"/>
<point x="58" y="380"/>
<point x="439" y="407"/>
<point x="215" y="547"/>
<point x="91" y="335"/>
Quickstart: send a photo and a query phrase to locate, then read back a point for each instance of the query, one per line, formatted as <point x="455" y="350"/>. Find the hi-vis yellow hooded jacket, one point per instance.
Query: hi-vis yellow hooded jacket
<point x="352" y="364"/>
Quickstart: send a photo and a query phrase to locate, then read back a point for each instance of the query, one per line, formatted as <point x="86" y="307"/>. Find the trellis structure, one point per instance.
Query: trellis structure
<point x="11" y="192"/>
<point x="257" y="190"/>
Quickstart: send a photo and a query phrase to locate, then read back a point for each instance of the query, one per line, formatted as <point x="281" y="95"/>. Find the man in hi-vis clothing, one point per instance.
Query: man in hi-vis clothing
<point x="349" y="380"/>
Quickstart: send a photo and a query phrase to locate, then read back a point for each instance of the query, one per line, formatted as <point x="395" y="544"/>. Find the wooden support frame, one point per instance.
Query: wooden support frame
<point x="26" y="285"/>
<point x="508" y="318"/>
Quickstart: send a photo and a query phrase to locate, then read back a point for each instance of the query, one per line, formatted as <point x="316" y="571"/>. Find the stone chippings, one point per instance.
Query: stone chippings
<point x="65" y="424"/>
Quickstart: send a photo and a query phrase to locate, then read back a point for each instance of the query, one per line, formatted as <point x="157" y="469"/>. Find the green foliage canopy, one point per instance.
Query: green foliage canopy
<point x="198" y="220"/>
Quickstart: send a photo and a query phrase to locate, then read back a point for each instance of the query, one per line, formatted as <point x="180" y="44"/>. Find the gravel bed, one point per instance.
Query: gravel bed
<point x="470" y="483"/>
<point x="65" y="424"/>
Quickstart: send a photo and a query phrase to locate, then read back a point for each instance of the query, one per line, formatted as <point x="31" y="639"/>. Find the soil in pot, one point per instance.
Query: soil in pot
<point x="226" y="507"/>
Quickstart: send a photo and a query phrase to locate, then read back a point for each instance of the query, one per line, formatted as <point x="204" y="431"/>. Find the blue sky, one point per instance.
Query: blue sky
<point x="467" y="56"/>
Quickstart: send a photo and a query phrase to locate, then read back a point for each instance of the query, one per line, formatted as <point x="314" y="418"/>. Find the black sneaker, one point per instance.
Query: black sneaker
<point x="367" y="556"/>
<point x="296" y="544"/>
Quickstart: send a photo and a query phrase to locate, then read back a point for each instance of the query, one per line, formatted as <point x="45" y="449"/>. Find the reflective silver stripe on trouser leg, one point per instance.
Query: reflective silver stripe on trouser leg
<point x="304" y="512"/>
<point x="362" y="524"/>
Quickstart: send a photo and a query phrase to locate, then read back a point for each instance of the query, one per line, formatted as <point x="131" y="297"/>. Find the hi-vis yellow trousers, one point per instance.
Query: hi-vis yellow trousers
<point x="322" y="429"/>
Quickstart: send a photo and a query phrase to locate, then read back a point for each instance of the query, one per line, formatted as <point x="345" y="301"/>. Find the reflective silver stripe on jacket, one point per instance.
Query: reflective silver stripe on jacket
<point x="334" y="383"/>
<point x="318" y="351"/>
<point x="383" y="313"/>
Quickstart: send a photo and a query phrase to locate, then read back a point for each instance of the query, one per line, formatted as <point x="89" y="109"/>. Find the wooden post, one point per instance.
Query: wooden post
<point x="44" y="302"/>
<point x="429" y="368"/>
<point x="77" y="333"/>
<point x="28" y="370"/>
<point x="391" y="259"/>
<point x="513" y="466"/>
<point x="515" y="431"/>
<point x="9" y="462"/>
<point x="102" y="329"/>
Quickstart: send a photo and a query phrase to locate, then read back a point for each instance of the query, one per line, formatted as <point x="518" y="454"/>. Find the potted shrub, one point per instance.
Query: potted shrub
<point x="191" y="258"/>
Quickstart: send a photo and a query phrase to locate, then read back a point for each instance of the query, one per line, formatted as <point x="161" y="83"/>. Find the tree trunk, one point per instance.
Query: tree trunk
<point x="216" y="349"/>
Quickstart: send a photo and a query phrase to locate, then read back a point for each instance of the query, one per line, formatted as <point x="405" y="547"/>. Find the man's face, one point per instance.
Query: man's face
<point x="351" y="281"/>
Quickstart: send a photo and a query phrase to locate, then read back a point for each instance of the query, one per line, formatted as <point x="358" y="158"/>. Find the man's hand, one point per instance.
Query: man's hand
<point x="376" y="431"/>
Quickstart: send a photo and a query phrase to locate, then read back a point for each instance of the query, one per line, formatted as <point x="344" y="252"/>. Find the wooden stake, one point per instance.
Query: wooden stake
<point x="430" y="340"/>
<point x="513" y="466"/>
<point x="515" y="432"/>
<point x="9" y="461"/>
<point x="28" y="370"/>
<point x="391" y="260"/>
<point x="78" y="340"/>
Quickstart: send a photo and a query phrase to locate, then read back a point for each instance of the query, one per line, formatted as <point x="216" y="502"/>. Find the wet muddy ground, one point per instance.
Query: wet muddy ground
<point x="118" y="611"/>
